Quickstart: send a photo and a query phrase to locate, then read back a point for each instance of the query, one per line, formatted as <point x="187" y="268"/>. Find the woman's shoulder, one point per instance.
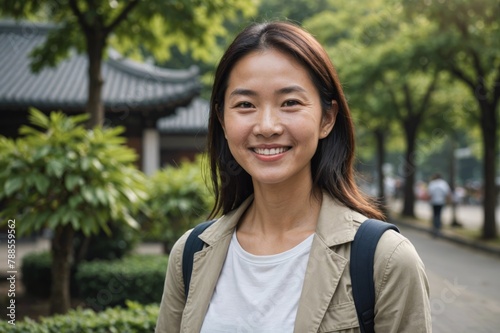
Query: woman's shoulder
<point x="178" y="248"/>
<point x="396" y="258"/>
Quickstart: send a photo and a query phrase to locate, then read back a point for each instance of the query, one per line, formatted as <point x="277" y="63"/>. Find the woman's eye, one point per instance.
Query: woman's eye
<point x="290" y="103"/>
<point x="244" y="105"/>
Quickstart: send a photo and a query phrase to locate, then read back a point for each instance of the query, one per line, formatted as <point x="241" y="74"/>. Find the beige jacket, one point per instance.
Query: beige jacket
<point x="326" y="303"/>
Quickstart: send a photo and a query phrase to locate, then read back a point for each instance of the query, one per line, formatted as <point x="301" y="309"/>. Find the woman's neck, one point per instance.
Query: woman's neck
<point x="278" y="209"/>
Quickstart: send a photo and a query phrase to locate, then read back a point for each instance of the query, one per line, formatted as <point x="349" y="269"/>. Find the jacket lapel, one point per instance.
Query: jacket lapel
<point x="207" y="265"/>
<point x="325" y="266"/>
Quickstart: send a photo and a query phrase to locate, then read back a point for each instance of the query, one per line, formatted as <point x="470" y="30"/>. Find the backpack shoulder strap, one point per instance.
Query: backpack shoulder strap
<point x="193" y="245"/>
<point x="361" y="267"/>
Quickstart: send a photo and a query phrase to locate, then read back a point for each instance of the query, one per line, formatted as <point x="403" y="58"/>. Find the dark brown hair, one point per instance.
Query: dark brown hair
<point x="331" y="165"/>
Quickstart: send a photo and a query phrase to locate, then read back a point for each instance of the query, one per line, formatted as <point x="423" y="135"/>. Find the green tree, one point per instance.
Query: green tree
<point x="178" y="200"/>
<point x="90" y="26"/>
<point x="468" y="47"/>
<point x="376" y="61"/>
<point x="65" y="178"/>
<point x="294" y="10"/>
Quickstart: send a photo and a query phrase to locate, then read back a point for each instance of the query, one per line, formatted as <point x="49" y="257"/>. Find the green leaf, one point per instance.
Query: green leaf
<point x="131" y="221"/>
<point x="41" y="183"/>
<point x="88" y="227"/>
<point x="12" y="185"/>
<point x="85" y="163"/>
<point x="101" y="196"/>
<point x="70" y="181"/>
<point x="42" y="152"/>
<point x="54" y="220"/>
<point x="75" y="200"/>
<point x="96" y="164"/>
<point x="55" y="168"/>
<point x="88" y="195"/>
<point x="36" y="117"/>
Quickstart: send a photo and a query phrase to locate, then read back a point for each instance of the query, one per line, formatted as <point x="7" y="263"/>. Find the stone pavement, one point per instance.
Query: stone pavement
<point x="470" y="216"/>
<point x="464" y="285"/>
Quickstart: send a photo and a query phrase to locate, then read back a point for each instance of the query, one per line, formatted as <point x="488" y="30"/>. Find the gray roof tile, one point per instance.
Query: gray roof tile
<point x="129" y="84"/>
<point x="192" y="119"/>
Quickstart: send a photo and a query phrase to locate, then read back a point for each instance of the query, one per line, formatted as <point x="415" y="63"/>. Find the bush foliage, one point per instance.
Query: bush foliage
<point x="37" y="276"/>
<point x="138" y="278"/>
<point x="58" y="175"/>
<point x="178" y="200"/>
<point x="65" y="174"/>
<point x="135" y="318"/>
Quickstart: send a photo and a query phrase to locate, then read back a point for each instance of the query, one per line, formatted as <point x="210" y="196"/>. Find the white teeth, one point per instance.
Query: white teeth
<point x="270" y="151"/>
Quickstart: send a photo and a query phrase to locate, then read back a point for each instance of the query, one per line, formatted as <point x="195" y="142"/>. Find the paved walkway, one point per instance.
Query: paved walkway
<point x="470" y="216"/>
<point x="464" y="285"/>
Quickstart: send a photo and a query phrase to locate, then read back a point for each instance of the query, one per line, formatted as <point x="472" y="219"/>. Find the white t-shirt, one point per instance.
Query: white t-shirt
<point x="257" y="294"/>
<point x="438" y="190"/>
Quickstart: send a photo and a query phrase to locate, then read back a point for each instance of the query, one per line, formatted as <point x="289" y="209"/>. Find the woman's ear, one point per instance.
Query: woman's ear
<point x="328" y="120"/>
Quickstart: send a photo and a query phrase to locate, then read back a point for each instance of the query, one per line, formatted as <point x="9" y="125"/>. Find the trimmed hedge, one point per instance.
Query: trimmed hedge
<point x="37" y="275"/>
<point x="135" y="319"/>
<point x="138" y="278"/>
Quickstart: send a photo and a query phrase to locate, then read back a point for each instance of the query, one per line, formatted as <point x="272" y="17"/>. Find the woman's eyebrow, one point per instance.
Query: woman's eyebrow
<point x="290" y="89"/>
<point x="281" y="91"/>
<point x="242" y="92"/>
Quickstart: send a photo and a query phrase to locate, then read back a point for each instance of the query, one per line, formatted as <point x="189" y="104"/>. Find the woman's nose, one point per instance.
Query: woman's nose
<point x="268" y="123"/>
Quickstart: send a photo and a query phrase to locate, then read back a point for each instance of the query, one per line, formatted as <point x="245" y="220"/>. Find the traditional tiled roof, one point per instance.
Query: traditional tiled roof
<point x="128" y="85"/>
<point x="192" y="119"/>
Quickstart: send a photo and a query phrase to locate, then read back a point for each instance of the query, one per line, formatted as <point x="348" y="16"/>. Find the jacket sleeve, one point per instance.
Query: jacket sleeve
<point x="173" y="299"/>
<point x="401" y="287"/>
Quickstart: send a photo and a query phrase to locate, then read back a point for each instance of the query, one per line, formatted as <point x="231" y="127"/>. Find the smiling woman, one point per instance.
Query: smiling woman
<point x="276" y="260"/>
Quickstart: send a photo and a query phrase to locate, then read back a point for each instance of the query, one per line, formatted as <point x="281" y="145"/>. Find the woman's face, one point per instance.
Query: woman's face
<point x="273" y="118"/>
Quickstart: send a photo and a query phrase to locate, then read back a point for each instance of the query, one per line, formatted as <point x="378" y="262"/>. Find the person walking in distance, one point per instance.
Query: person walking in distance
<point x="439" y="192"/>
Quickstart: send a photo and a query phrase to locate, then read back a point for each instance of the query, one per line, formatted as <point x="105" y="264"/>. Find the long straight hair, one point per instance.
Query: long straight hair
<point x="332" y="164"/>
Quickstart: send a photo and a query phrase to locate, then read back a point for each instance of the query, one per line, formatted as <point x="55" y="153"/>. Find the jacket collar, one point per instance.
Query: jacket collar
<point x="225" y="225"/>
<point x="336" y="223"/>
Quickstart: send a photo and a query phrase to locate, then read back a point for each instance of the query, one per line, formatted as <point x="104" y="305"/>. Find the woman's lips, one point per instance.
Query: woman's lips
<point x="271" y="151"/>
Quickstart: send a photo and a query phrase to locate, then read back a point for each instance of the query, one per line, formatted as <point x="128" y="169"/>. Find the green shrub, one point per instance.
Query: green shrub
<point x="138" y="278"/>
<point x="135" y="319"/>
<point x="61" y="176"/>
<point x="178" y="200"/>
<point x="122" y="240"/>
<point x="37" y="276"/>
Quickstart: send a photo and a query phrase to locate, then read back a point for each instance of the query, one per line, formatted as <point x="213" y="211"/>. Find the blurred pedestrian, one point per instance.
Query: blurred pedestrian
<point x="439" y="194"/>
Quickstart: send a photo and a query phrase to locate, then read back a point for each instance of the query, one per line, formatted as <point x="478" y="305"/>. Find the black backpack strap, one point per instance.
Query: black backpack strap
<point x="361" y="267"/>
<point x="193" y="245"/>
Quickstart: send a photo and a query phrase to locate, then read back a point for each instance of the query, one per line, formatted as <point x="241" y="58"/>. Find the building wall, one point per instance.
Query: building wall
<point x="176" y="148"/>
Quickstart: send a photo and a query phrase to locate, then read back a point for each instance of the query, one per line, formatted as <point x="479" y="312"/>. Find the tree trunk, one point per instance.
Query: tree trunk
<point x="489" y="134"/>
<point x="62" y="250"/>
<point x="409" y="167"/>
<point x="380" y="142"/>
<point x="95" y="52"/>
